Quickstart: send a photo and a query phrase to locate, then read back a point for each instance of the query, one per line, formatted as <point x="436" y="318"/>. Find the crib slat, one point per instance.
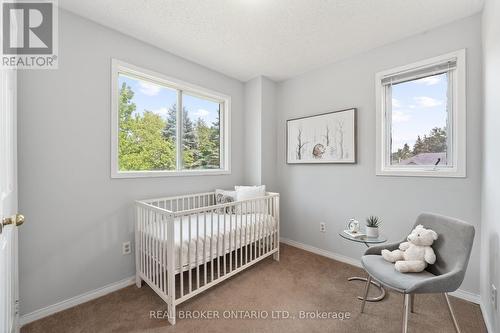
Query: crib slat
<point x="155" y="254"/>
<point x="259" y="216"/>
<point x="224" y="243"/>
<point x="277" y="217"/>
<point x="247" y="239"/>
<point x="197" y="263"/>
<point x="254" y="224"/>
<point x="150" y="255"/>
<point x="150" y="246"/>
<point x="141" y="244"/>
<point x="269" y="212"/>
<point x="230" y="249"/>
<point x="235" y="239"/>
<point x="211" y="246"/>
<point x="145" y="243"/>
<point x="259" y="224"/>
<point x="266" y="239"/>
<point x="164" y="254"/>
<point x="276" y="223"/>
<point x="180" y="258"/>
<point x="241" y="235"/>
<point x="264" y="235"/>
<point x="160" y="250"/>
<point x="218" y="245"/>
<point x="266" y="229"/>
<point x="264" y="213"/>
<point x="263" y="226"/>
<point x="205" y="248"/>
<point x="153" y="249"/>
<point x="272" y="222"/>
<point x="188" y="262"/>
<point x="157" y="249"/>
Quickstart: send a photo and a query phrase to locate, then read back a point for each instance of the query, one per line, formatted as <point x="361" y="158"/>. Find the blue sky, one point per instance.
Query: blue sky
<point x="158" y="99"/>
<point x="417" y="107"/>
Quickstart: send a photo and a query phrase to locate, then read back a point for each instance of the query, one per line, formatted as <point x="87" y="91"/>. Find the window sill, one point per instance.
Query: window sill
<point x="184" y="173"/>
<point x="422" y="172"/>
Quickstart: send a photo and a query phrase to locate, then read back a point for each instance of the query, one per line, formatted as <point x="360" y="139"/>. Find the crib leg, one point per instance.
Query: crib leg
<point x="276" y="256"/>
<point x="171" y="314"/>
<point x="138" y="281"/>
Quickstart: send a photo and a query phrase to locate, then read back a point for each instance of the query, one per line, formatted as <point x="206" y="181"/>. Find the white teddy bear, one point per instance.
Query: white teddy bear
<point x="416" y="253"/>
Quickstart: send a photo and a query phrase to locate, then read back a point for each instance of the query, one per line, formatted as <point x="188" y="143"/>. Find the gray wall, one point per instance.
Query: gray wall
<point x="77" y="216"/>
<point x="333" y="193"/>
<point x="269" y="157"/>
<point x="260" y="132"/>
<point x="253" y="134"/>
<point x="490" y="245"/>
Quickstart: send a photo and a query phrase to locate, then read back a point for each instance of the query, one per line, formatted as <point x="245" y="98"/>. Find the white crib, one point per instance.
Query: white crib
<point x="210" y="242"/>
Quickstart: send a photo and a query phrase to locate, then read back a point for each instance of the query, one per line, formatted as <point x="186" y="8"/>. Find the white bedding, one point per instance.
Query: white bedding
<point x="224" y="237"/>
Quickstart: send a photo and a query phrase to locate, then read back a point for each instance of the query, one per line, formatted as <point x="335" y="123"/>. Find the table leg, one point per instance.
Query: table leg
<point x="376" y="284"/>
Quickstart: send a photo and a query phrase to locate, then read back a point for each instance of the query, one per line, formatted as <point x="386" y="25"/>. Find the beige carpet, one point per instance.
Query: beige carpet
<point x="301" y="281"/>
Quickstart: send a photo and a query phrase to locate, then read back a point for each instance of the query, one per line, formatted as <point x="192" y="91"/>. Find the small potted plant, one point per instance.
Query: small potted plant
<point x="372" y="224"/>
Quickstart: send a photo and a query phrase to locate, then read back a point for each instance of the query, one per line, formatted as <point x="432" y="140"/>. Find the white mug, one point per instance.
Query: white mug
<point x="353" y="225"/>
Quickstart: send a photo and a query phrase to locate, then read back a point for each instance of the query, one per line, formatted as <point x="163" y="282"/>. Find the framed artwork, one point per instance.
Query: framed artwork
<point x="323" y="138"/>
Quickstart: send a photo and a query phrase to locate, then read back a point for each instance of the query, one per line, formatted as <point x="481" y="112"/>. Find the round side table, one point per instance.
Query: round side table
<point x="367" y="241"/>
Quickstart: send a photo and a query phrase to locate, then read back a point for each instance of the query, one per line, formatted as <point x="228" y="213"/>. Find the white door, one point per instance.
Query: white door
<point x="8" y="204"/>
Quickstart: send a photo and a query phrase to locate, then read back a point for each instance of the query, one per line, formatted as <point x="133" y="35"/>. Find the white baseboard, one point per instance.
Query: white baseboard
<point x="74" y="301"/>
<point x="487" y="321"/>
<point x="466" y="295"/>
<point x="321" y="252"/>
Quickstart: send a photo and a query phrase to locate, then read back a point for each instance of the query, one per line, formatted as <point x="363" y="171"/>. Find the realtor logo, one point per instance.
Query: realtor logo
<point x="29" y="34"/>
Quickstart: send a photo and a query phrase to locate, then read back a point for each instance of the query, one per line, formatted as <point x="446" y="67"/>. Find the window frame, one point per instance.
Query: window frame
<point x="456" y="121"/>
<point x="120" y="67"/>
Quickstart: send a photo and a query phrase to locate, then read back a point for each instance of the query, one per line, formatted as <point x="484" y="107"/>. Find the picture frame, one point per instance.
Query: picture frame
<point x="326" y="138"/>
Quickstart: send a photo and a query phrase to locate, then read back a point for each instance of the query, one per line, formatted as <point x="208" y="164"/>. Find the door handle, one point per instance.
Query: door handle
<point x="17" y="219"/>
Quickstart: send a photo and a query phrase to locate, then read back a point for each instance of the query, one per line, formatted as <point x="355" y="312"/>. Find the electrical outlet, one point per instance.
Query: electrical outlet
<point x="322" y="227"/>
<point x="126" y="248"/>
<point x="494" y="296"/>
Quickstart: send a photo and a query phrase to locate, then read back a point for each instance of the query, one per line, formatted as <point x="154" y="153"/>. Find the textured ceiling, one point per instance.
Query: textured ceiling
<point x="275" y="38"/>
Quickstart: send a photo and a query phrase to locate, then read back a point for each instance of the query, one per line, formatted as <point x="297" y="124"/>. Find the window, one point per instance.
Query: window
<point x="421" y="118"/>
<point x="165" y="127"/>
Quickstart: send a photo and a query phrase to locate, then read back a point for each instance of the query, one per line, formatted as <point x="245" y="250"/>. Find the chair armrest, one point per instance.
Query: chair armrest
<point x="444" y="283"/>
<point x="378" y="249"/>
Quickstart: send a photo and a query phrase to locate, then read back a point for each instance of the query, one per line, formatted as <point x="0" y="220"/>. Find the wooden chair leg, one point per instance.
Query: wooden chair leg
<point x="452" y="314"/>
<point x="406" y="308"/>
<point x="367" y="287"/>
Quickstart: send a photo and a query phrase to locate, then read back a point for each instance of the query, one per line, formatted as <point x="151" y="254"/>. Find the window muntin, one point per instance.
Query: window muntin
<point x="426" y="99"/>
<point x="147" y="139"/>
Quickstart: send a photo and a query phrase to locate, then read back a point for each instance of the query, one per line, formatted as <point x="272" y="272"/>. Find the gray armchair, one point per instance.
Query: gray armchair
<point x="452" y="248"/>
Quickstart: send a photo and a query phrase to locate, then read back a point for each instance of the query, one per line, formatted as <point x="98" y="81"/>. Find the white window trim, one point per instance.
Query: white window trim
<point x="117" y="67"/>
<point x="458" y="119"/>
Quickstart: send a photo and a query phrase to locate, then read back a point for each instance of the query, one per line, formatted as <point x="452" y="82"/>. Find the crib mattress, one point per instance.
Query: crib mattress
<point x="212" y="236"/>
